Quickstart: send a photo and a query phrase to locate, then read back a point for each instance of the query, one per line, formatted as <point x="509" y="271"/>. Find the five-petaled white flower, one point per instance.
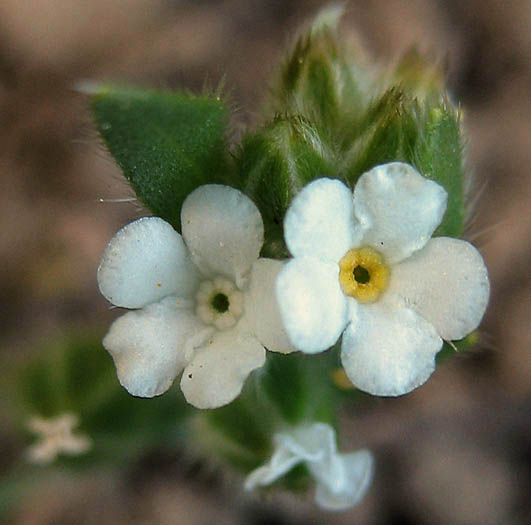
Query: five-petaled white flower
<point x="56" y="437"/>
<point x="342" y="479"/>
<point x="364" y="265"/>
<point x="204" y="303"/>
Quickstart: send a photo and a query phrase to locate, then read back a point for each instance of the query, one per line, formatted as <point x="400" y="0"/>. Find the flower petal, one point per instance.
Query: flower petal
<point x="262" y="313"/>
<point x="313" y="444"/>
<point x="281" y="462"/>
<point x="398" y="208"/>
<point x="216" y="374"/>
<point x="320" y="221"/>
<point x="313" y="307"/>
<point x="149" y="346"/>
<point x="342" y="479"/>
<point x="349" y="481"/>
<point x="223" y="230"/>
<point x="391" y="351"/>
<point x="447" y="283"/>
<point x="144" y="262"/>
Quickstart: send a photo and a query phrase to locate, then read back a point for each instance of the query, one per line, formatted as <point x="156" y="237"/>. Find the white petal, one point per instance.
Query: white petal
<point x="398" y="208"/>
<point x="281" y="462"/>
<point x="223" y="230"/>
<point x="313" y="307"/>
<point x="320" y="221"/>
<point x="391" y="350"/>
<point x="342" y="479"/>
<point x="261" y="307"/>
<point x="447" y="283"/>
<point x="144" y="262"/>
<point x="149" y="346"/>
<point x="216" y="374"/>
<point x="310" y="443"/>
<point x="352" y="477"/>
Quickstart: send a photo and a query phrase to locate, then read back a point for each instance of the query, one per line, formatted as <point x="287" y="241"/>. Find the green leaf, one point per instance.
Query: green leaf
<point x="424" y="133"/>
<point x="320" y="82"/>
<point x="166" y="143"/>
<point x="389" y="132"/>
<point x="242" y="429"/>
<point x="273" y="164"/>
<point x="284" y="381"/>
<point x="439" y="156"/>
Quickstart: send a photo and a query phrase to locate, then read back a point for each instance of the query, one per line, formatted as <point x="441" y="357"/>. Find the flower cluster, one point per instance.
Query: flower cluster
<point x="364" y="269"/>
<point x="364" y="265"/>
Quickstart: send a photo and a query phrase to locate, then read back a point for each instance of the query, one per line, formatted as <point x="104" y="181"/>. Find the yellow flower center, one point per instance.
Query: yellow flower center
<point x="363" y="274"/>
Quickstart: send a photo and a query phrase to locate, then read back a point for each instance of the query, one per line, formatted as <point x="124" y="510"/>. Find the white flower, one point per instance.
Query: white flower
<point x="342" y="479"/>
<point x="204" y="299"/>
<point x="56" y="437"/>
<point x="365" y="265"/>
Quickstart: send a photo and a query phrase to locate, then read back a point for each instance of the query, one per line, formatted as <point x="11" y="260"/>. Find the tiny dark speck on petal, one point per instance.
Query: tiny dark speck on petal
<point x="189" y="376"/>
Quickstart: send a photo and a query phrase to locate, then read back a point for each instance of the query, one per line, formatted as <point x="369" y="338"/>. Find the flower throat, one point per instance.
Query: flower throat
<point x="363" y="274"/>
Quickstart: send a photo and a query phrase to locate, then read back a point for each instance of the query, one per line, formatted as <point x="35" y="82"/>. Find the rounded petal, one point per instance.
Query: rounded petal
<point x="320" y="221"/>
<point x="313" y="307"/>
<point x="391" y="350"/>
<point x="398" y="209"/>
<point x="262" y="313"/>
<point x="216" y="374"/>
<point x="149" y="346"/>
<point x="349" y="480"/>
<point x="144" y="262"/>
<point x="447" y="283"/>
<point x="223" y="230"/>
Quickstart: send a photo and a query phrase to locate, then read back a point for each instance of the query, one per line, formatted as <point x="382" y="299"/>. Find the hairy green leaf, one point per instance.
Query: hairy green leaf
<point x="166" y="143"/>
<point x="273" y="164"/>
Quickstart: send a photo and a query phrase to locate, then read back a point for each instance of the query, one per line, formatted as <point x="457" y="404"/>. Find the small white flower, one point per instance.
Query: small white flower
<point x="204" y="299"/>
<point x="56" y="437"/>
<point x="365" y="265"/>
<point x="342" y="479"/>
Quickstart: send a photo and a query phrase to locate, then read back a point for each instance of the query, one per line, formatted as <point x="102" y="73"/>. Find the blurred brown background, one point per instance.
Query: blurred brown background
<point x="458" y="450"/>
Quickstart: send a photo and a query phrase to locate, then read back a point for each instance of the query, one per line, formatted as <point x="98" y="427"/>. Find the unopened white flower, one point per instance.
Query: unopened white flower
<point x="342" y="479"/>
<point x="56" y="437"/>
<point x="203" y="299"/>
<point x="365" y="265"/>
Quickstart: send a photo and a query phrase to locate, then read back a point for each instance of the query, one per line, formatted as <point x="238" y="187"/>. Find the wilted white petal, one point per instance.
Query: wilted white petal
<point x="312" y="305"/>
<point x="320" y="221"/>
<point x="342" y="479"/>
<point x="216" y="374"/>
<point x="391" y="350"/>
<point x="398" y="208"/>
<point x="223" y="230"/>
<point x="281" y="462"/>
<point x="261" y="307"/>
<point x="149" y="346"/>
<point x="347" y="483"/>
<point x="310" y="443"/>
<point x="447" y="283"/>
<point x="144" y="262"/>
